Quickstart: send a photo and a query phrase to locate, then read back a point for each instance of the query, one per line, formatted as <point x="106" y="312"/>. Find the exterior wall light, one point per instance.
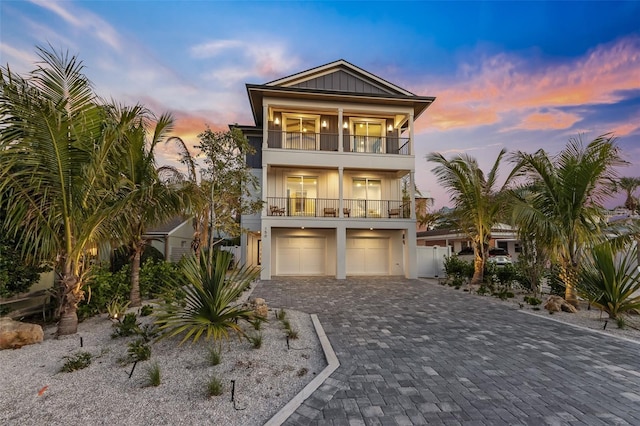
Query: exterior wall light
<point x="324" y="124"/>
<point x="276" y="121"/>
<point x="345" y="125"/>
<point x="390" y="128"/>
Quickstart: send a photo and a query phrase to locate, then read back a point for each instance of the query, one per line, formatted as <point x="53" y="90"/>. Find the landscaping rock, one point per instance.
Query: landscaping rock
<point x="557" y="304"/>
<point x="15" y="334"/>
<point x="259" y="307"/>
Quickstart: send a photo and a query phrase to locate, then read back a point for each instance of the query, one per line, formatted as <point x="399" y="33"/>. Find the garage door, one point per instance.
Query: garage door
<point x="367" y="256"/>
<point x="300" y="256"/>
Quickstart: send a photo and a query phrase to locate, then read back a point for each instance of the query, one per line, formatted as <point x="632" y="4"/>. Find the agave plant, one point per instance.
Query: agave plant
<point x="209" y="310"/>
<point x="610" y="283"/>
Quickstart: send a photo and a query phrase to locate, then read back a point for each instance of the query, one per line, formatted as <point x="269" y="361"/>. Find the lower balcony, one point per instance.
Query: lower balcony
<point x="327" y="207"/>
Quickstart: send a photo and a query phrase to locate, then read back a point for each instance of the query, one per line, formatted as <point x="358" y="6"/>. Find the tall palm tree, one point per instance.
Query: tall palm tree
<point x="629" y="186"/>
<point x="477" y="199"/>
<point x="144" y="199"/>
<point x="564" y="202"/>
<point x="56" y="147"/>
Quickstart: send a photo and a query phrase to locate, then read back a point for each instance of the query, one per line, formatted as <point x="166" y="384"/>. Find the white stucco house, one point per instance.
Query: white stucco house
<point x="333" y="144"/>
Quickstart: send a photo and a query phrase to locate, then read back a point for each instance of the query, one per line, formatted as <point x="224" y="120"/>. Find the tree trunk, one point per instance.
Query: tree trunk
<point x="71" y="295"/>
<point x="135" y="277"/>
<point x="478" y="270"/>
<point x="569" y="275"/>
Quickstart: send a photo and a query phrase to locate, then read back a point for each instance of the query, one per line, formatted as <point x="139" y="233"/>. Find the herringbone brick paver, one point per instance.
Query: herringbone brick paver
<point x="414" y="352"/>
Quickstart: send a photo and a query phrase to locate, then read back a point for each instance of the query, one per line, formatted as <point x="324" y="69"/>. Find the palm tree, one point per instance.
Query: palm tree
<point x="564" y="202"/>
<point x="478" y="204"/>
<point x="144" y="199"/>
<point x="56" y="148"/>
<point x="629" y="186"/>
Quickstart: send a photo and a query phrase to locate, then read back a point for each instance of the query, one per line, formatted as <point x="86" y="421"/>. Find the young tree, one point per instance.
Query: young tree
<point x="227" y="181"/>
<point x="56" y="147"/>
<point x="629" y="186"/>
<point x="564" y="202"/>
<point x="478" y="202"/>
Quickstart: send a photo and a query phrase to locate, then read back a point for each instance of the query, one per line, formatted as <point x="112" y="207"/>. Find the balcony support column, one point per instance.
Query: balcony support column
<point x="341" y="251"/>
<point x="411" y="151"/>
<point x="265" y="272"/>
<point x="340" y="132"/>
<point x="263" y="189"/>
<point x="265" y="127"/>
<point x="412" y="193"/>
<point x="340" y="192"/>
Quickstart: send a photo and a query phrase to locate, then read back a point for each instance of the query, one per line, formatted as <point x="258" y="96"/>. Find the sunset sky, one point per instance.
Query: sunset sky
<point x="520" y="75"/>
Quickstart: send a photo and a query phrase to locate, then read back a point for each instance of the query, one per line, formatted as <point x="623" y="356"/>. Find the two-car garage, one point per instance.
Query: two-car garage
<point x="314" y="252"/>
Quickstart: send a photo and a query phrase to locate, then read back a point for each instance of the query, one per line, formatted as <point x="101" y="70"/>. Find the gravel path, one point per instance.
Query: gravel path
<point x="265" y="379"/>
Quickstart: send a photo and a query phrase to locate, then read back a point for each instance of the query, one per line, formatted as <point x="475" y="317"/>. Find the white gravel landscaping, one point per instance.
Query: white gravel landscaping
<point x="33" y="391"/>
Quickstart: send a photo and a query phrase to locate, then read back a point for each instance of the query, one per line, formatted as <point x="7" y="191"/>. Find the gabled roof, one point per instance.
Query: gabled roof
<point x="340" y="76"/>
<point x="338" y="81"/>
<point x="168" y="227"/>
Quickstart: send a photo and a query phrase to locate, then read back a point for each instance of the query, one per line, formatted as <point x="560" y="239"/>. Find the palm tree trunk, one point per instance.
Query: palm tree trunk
<point x="135" y="277"/>
<point x="71" y="295"/>
<point x="478" y="270"/>
<point x="569" y="275"/>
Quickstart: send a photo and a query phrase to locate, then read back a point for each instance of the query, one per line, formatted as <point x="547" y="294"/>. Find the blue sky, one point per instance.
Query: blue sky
<point x="518" y="75"/>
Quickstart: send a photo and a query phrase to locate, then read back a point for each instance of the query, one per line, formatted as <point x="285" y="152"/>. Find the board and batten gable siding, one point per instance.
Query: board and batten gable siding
<point x="254" y="160"/>
<point x="341" y="81"/>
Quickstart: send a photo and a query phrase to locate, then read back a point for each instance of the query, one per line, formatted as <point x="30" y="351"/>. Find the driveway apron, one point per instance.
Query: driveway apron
<point x="414" y="352"/>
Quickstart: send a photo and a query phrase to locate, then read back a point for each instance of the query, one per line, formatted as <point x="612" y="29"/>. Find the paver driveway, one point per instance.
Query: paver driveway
<point x="414" y="352"/>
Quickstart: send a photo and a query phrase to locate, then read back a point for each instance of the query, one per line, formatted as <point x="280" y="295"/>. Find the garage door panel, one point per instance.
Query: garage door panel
<point x="367" y="256"/>
<point x="300" y="256"/>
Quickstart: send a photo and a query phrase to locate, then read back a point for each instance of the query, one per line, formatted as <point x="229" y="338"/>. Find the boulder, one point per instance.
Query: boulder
<point x="557" y="304"/>
<point x="259" y="307"/>
<point x="15" y="334"/>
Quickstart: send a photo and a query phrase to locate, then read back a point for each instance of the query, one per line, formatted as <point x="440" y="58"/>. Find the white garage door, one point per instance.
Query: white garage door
<point x="300" y="256"/>
<point x="367" y="256"/>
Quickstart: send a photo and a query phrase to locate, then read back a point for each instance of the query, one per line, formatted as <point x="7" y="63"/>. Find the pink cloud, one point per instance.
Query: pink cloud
<point x="504" y="85"/>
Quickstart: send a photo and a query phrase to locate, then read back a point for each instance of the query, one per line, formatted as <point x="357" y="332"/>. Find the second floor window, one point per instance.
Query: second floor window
<point x="300" y="132"/>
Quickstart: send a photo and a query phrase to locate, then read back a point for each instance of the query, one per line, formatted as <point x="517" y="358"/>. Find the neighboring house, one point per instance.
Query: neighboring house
<point x="173" y="238"/>
<point x="502" y="236"/>
<point x="333" y="144"/>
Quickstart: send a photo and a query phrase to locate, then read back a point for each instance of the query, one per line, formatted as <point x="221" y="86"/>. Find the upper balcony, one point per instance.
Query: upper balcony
<point x="310" y="141"/>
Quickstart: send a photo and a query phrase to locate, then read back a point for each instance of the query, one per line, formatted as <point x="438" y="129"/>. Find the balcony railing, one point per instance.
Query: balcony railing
<point x="307" y="141"/>
<point x="328" y="207"/>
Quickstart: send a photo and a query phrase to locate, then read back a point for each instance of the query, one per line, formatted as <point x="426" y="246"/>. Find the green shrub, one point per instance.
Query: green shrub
<point x="153" y="375"/>
<point x="610" y="283"/>
<point x="129" y="326"/>
<point x="620" y="321"/>
<point x="212" y="291"/>
<point x="454" y="266"/>
<point x="533" y="301"/>
<point x="556" y="286"/>
<point x="256" y="340"/>
<point x="158" y="277"/>
<point x="103" y="287"/>
<point x="146" y="310"/>
<point x="214" y="386"/>
<point x="139" y="350"/>
<point x="214" y="356"/>
<point x="292" y="333"/>
<point x="76" y="362"/>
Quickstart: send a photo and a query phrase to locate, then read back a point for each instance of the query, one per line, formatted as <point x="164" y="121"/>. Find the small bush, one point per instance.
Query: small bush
<point x="620" y="321"/>
<point x="153" y="375"/>
<point x="117" y="309"/>
<point x="76" y="362"/>
<point x="129" y="326"/>
<point x="214" y="386"/>
<point x="256" y="340"/>
<point x="483" y="290"/>
<point x="139" y="350"/>
<point x="146" y="310"/>
<point x="214" y="356"/>
<point x="292" y="333"/>
<point x="257" y="323"/>
<point x="286" y="324"/>
<point x="282" y="314"/>
<point x="533" y="301"/>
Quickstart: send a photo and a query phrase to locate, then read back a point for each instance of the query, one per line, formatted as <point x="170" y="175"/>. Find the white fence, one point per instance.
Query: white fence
<point x="431" y="261"/>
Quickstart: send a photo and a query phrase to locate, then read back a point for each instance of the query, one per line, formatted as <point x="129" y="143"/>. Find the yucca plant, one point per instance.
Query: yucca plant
<point x="209" y="310"/>
<point x="611" y="283"/>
